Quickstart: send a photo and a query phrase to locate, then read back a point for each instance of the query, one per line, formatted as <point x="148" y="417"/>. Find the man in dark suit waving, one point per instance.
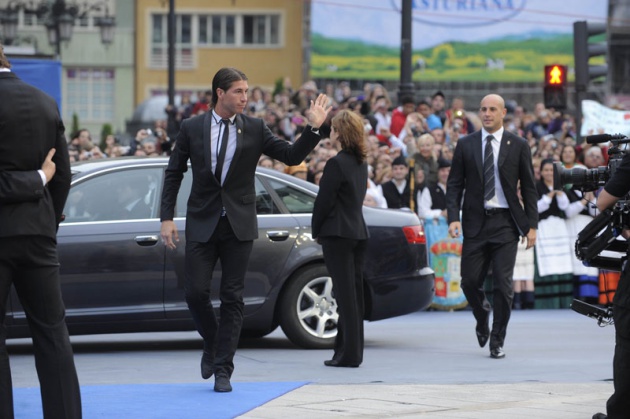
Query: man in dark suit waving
<point x="223" y="147"/>
<point x="486" y="171"/>
<point x="30" y="211"/>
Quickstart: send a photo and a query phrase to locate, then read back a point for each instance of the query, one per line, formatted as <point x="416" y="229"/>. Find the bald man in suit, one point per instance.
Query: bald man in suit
<point x="487" y="168"/>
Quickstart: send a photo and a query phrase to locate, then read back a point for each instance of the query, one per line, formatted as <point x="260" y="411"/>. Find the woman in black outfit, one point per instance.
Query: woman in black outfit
<point x="338" y="225"/>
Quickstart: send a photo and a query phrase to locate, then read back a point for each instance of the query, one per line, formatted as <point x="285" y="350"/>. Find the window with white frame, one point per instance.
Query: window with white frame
<point x="31" y="19"/>
<point x="261" y="30"/>
<point x="217" y="30"/>
<point x="90" y="94"/>
<point x="183" y="41"/>
<point x="231" y="30"/>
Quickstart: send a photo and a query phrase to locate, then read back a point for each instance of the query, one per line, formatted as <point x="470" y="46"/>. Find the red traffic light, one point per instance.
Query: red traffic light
<point x="555" y="75"/>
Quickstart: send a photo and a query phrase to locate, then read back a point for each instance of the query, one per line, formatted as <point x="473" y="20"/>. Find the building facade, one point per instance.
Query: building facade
<point x="263" y="38"/>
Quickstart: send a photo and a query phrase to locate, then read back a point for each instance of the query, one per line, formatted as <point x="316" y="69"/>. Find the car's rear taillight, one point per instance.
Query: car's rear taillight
<point x="415" y="234"/>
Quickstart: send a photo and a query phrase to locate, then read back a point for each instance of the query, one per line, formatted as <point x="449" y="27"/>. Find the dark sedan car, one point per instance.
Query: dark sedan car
<point x="117" y="276"/>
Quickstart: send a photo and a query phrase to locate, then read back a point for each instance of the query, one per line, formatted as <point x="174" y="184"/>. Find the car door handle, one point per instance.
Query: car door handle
<point x="146" y="240"/>
<point x="278" y="235"/>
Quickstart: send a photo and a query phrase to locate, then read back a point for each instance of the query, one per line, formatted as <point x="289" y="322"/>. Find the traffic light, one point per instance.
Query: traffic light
<point x="556" y="86"/>
<point x="583" y="51"/>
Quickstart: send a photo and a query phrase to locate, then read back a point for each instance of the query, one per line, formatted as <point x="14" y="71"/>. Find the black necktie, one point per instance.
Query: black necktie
<point x="221" y="157"/>
<point x="488" y="170"/>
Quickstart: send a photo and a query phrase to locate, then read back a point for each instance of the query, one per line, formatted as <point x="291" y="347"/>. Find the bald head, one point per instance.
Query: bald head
<point x="492" y="111"/>
<point x="494" y="98"/>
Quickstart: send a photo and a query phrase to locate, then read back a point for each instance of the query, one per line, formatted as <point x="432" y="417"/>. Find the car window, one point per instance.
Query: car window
<point x="264" y="201"/>
<point x="296" y="200"/>
<point x="130" y="194"/>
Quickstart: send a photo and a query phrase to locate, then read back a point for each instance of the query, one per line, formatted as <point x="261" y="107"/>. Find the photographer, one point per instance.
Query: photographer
<point x="618" y="404"/>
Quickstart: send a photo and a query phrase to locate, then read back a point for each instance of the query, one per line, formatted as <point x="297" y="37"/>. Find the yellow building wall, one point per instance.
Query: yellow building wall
<point x="262" y="65"/>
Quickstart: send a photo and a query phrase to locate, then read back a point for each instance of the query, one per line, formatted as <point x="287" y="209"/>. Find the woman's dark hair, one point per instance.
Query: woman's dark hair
<point x="349" y="128"/>
<point x="223" y="80"/>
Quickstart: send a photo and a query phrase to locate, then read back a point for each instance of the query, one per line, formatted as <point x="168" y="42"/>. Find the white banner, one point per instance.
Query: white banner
<point x="599" y="119"/>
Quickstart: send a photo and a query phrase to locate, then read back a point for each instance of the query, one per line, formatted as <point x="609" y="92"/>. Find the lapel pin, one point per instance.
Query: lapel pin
<point x="239" y="130"/>
<point x="508" y="142"/>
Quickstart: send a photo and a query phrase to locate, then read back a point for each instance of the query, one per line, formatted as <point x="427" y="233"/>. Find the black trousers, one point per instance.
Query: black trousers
<point x="495" y="246"/>
<point x="30" y="263"/>
<point x="618" y="405"/>
<point x="220" y="337"/>
<point x="344" y="260"/>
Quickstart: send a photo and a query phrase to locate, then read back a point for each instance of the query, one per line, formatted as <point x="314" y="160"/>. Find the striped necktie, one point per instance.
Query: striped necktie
<point x="488" y="170"/>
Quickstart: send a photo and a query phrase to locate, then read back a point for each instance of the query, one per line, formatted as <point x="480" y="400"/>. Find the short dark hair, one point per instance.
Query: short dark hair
<point x="407" y="99"/>
<point x="400" y="161"/>
<point x="223" y="80"/>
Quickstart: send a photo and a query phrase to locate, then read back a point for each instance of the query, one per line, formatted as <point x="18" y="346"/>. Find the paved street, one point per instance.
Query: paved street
<point x="425" y="364"/>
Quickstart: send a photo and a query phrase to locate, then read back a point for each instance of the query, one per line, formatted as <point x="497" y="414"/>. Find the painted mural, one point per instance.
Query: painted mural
<point x="452" y="40"/>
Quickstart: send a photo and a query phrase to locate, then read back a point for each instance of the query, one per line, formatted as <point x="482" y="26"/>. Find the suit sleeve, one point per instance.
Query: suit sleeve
<point x="290" y="154"/>
<point x="619" y="184"/>
<point x="327" y="196"/>
<point x="177" y="165"/>
<point x="59" y="185"/>
<point x="455" y="185"/>
<point x="20" y="186"/>
<point x="528" y="187"/>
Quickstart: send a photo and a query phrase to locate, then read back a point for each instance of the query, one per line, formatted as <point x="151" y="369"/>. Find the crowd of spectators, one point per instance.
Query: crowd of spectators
<point x="415" y="139"/>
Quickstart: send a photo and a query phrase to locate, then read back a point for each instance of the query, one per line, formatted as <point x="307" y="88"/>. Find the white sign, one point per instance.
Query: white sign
<point x="599" y="119"/>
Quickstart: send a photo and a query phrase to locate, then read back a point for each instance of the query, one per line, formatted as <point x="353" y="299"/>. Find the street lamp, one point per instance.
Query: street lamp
<point x="59" y="18"/>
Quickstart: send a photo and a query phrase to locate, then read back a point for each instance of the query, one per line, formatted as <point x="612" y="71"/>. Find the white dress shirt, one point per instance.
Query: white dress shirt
<point x="498" y="201"/>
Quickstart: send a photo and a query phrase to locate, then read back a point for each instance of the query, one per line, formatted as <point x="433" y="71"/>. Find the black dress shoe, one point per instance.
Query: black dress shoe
<point x="335" y="363"/>
<point x="482" y="338"/>
<point x="497" y="353"/>
<point x="600" y="416"/>
<point x="222" y="384"/>
<point x="483" y="333"/>
<point x="206" y="365"/>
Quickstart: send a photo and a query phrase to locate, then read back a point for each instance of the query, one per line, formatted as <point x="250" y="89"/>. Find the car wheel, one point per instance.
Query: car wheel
<point x="308" y="311"/>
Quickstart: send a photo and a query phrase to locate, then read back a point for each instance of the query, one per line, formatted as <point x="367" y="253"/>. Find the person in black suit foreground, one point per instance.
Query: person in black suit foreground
<point x="486" y="170"/>
<point x="223" y="147"/>
<point x="32" y="136"/>
<point x="618" y="405"/>
<point x="338" y="225"/>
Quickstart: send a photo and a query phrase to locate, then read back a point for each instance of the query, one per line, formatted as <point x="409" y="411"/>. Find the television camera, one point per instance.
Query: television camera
<point x="602" y="232"/>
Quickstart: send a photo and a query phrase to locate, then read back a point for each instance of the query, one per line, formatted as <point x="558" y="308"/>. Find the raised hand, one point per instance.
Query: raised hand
<point x="318" y="111"/>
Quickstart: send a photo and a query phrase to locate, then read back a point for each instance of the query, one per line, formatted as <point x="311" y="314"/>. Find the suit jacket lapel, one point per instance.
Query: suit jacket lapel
<point x="476" y="143"/>
<point x="206" y="138"/>
<point x="504" y="150"/>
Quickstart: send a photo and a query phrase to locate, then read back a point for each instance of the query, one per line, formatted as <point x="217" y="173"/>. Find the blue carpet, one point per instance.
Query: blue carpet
<point x="156" y="401"/>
